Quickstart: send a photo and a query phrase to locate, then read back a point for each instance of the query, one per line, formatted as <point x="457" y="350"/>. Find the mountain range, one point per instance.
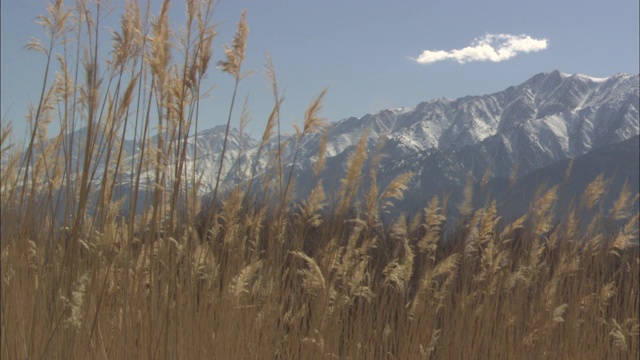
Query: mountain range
<point x="526" y="133"/>
<point x="548" y="119"/>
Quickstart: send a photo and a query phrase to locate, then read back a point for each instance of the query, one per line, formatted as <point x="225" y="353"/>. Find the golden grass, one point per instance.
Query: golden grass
<point x="82" y="280"/>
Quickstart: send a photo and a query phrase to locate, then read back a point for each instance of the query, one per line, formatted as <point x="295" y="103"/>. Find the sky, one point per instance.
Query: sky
<point x="371" y="55"/>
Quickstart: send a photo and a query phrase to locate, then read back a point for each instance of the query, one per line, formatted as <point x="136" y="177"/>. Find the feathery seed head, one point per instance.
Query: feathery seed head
<point x="235" y="53"/>
<point x="312" y="122"/>
<point x="558" y="313"/>
<point x="466" y="207"/>
<point x="621" y="208"/>
<point x="395" y="190"/>
<point x="313" y="280"/>
<point x="594" y="191"/>
<point x="77" y="301"/>
<point x="322" y="152"/>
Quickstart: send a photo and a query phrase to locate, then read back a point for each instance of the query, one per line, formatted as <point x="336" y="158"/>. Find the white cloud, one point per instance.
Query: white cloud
<point x="491" y="47"/>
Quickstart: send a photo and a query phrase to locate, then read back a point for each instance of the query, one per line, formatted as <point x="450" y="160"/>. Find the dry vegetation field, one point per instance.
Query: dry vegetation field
<point x="262" y="277"/>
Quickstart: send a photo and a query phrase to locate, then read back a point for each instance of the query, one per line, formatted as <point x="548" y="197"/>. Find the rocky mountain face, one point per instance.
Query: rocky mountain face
<point x="618" y="164"/>
<point x="548" y="119"/>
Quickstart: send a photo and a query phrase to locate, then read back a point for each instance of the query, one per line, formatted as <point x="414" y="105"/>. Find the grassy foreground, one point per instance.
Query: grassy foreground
<point x="85" y="276"/>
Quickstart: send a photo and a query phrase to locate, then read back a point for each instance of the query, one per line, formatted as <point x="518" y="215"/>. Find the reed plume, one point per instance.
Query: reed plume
<point x="89" y="273"/>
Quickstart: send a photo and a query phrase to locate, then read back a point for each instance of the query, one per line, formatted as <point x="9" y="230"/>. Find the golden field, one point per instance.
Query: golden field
<point x="260" y="276"/>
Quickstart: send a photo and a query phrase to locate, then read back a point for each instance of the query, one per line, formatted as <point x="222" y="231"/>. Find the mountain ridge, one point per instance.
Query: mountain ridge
<point x="550" y="117"/>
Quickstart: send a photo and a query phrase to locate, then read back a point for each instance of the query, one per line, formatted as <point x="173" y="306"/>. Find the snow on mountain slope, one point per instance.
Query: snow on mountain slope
<point x="550" y="117"/>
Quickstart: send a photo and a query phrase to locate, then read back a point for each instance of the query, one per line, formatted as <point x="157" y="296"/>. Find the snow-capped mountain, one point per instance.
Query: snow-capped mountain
<point x="203" y="153"/>
<point x="550" y="117"/>
<point x="618" y="163"/>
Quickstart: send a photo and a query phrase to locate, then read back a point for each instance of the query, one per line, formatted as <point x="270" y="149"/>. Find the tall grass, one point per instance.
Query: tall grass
<point x="86" y="275"/>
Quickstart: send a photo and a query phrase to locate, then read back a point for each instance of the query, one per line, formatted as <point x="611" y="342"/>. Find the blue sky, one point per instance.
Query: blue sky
<point x="365" y="51"/>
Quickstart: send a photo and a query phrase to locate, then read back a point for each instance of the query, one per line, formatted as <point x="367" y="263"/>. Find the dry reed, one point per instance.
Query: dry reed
<point x="86" y="276"/>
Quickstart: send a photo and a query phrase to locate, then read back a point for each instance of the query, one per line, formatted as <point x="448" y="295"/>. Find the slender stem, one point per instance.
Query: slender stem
<point x="224" y="150"/>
